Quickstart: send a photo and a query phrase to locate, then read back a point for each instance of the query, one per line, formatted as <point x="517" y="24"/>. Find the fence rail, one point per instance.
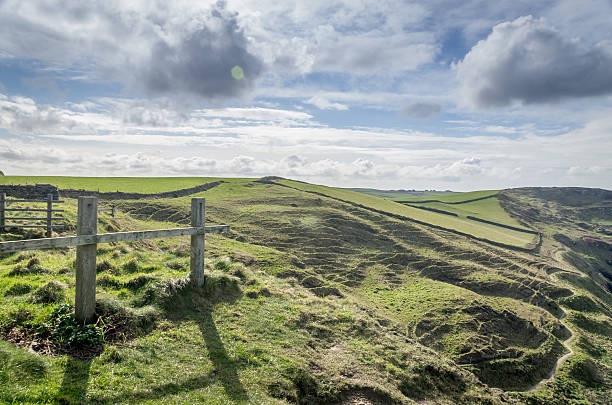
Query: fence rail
<point x="87" y="239"/>
<point x="50" y="219"/>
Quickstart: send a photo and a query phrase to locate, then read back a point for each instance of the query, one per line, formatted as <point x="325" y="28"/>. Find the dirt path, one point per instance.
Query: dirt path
<point x="557" y="256"/>
<point x="551" y="375"/>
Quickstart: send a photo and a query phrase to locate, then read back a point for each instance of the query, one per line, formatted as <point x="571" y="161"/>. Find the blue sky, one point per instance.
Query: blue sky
<point x="390" y="94"/>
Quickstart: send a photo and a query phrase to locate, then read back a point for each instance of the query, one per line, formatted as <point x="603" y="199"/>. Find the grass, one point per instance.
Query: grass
<point x="401" y="194"/>
<point x="110" y="184"/>
<point x="488" y="209"/>
<point x="457" y="197"/>
<point x="308" y="300"/>
<point x="477" y="229"/>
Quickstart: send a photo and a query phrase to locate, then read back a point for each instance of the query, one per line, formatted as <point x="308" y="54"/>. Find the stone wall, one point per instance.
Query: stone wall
<point x="118" y="195"/>
<point x="29" y="192"/>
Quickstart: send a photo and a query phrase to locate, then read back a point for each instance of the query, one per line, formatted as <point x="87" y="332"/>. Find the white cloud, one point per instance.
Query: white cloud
<point x="528" y="61"/>
<point x="323" y="103"/>
<point x="95" y="137"/>
<point x="168" y="48"/>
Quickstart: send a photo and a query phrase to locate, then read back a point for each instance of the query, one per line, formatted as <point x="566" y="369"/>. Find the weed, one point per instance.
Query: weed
<point x="63" y="327"/>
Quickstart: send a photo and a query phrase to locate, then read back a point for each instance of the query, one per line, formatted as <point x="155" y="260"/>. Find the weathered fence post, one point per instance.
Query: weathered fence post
<point x="198" y="218"/>
<point x="49" y="215"/>
<point x="2" y="211"/>
<point x="85" y="295"/>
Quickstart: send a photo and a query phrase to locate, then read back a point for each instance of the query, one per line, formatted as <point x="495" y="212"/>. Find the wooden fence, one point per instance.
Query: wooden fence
<point x="87" y="239"/>
<point x="32" y="221"/>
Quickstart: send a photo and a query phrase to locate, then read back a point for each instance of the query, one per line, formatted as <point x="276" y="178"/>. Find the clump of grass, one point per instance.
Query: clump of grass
<point x="111" y="355"/>
<point x="49" y="293"/>
<point x="131" y="266"/>
<point x="104" y="265"/>
<point x="176" y="264"/>
<point x="122" y="322"/>
<point x="108" y="281"/>
<point x="139" y="281"/>
<point x="24" y="256"/>
<point x="18" y="288"/>
<point x="32" y="267"/>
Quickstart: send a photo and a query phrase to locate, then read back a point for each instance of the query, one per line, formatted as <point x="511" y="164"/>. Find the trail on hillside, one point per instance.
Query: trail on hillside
<point x="551" y="375"/>
<point x="557" y="256"/>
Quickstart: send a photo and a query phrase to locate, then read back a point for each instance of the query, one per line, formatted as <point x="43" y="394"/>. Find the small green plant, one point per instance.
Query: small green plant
<point x="64" y="328"/>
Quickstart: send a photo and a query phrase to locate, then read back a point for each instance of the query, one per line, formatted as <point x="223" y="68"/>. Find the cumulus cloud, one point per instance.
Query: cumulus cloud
<point x="160" y="48"/>
<point x="201" y="63"/>
<point x="528" y="61"/>
<point x="421" y="110"/>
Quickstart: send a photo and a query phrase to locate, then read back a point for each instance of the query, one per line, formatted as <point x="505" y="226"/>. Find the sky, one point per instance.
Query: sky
<point x="389" y="94"/>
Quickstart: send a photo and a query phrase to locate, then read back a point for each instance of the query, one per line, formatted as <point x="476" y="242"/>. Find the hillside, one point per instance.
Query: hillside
<point x="324" y="295"/>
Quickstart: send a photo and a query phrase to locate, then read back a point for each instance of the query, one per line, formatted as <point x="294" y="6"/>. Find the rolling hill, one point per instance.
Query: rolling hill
<point x="324" y="295"/>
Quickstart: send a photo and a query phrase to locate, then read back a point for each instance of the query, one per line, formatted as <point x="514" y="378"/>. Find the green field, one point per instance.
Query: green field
<point x="477" y="229"/>
<point x="308" y="300"/>
<point x="456" y="197"/>
<point x="110" y="184"/>
<point x="488" y="209"/>
<point x="401" y="194"/>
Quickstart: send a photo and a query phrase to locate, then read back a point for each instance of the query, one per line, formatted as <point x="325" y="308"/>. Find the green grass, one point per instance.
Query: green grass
<point x="307" y="300"/>
<point x="488" y="209"/>
<point x="401" y="194"/>
<point x="477" y="229"/>
<point x="457" y="197"/>
<point x="110" y="184"/>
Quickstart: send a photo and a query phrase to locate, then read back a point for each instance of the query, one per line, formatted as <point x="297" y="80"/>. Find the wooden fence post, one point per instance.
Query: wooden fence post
<point x="2" y="211"/>
<point x="85" y="295"/>
<point x="49" y="215"/>
<point x="198" y="218"/>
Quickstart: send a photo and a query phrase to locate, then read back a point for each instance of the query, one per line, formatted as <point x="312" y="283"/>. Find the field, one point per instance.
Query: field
<point x="400" y="194"/>
<point x="456" y="197"/>
<point x="317" y="295"/>
<point x="110" y="184"/>
<point x="460" y="224"/>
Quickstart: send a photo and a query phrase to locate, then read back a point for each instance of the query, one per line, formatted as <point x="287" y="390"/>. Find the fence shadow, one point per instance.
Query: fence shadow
<point x="195" y="305"/>
<point x="226" y="368"/>
<point x="75" y="382"/>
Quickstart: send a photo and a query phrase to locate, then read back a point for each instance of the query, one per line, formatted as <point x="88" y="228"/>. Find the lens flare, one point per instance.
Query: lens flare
<point x="237" y="73"/>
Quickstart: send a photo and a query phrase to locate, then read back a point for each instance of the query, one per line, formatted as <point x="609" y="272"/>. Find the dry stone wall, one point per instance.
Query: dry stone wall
<point x="29" y="192"/>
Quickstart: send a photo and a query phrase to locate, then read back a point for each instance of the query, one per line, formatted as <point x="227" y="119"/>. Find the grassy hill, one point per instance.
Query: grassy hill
<point x="317" y="295"/>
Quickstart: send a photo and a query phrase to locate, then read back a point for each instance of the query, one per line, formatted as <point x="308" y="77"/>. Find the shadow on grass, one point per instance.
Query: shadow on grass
<point x="189" y="304"/>
<point x="74" y="384"/>
<point x="226" y="368"/>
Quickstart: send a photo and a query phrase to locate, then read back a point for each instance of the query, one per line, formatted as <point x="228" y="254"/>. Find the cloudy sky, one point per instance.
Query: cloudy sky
<point x="460" y="95"/>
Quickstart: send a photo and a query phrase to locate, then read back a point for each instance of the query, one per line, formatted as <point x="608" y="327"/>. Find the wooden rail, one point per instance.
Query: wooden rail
<point x="87" y="239"/>
<point x="49" y="218"/>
